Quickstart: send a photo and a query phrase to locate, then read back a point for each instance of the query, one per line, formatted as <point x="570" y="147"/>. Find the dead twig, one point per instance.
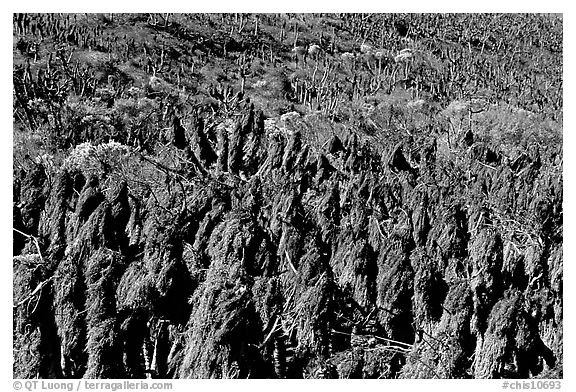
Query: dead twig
<point x="290" y="263"/>
<point x="33" y="293"/>
<point x="35" y="242"/>
<point x="406" y="347"/>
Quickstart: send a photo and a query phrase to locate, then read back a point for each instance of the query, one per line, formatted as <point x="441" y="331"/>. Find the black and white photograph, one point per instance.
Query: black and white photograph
<point x="287" y="196"/>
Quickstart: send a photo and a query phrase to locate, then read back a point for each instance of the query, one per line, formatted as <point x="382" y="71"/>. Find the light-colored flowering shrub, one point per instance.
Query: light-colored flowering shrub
<point x="97" y="159"/>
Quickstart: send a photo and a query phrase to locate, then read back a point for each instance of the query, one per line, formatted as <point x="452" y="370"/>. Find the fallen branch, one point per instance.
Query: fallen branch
<point x="406" y="347"/>
<point x="485" y="165"/>
<point x="35" y="242"/>
<point x="290" y="263"/>
<point x="272" y="331"/>
<point x="34" y="292"/>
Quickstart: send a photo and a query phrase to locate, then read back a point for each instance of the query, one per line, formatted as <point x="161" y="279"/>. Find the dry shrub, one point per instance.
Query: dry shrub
<point x="149" y="297"/>
<point x="135" y="289"/>
<point x="292" y="151"/>
<point x="52" y="227"/>
<point x="378" y="362"/>
<point x="443" y="349"/>
<point x="92" y="234"/>
<point x="102" y="272"/>
<point x="84" y="280"/>
<point x="223" y="327"/>
<point x="534" y="263"/>
<point x="485" y="273"/>
<point x="504" y="197"/>
<point x="349" y="364"/>
<point x="371" y="221"/>
<point x="237" y="141"/>
<point x="512" y="346"/>
<point x="69" y="303"/>
<point x="354" y="267"/>
<point x="29" y="356"/>
<point x="420" y="217"/>
<point x="254" y="149"/>
<point x="267" y="299"/>
<point x="309" y="317"/>
<point x="162" y="280"/>
<point x="394" y="291"/>
<point x="430" y="288"/>
<point x="513" y="128"/>
<point x="495" y="349"/>
<point x="450" y="233"/>
<point x="276" y="150"/>
<point x="513" y="270"/>
<point x="33" y="197"/>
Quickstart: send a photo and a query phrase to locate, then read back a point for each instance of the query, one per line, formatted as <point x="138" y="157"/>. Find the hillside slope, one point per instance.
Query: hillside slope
<point x="288" y="196"/>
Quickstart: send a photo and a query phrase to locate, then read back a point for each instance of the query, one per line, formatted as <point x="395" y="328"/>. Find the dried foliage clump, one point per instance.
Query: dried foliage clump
<point x="210" y="203"/>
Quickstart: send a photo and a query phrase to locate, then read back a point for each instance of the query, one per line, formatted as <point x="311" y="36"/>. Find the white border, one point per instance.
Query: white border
<point x="295" y="6"/>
